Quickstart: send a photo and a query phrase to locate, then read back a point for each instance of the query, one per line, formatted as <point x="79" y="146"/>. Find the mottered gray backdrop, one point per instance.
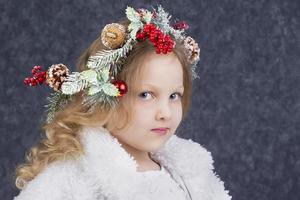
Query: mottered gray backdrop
<point x="245" y="106"/>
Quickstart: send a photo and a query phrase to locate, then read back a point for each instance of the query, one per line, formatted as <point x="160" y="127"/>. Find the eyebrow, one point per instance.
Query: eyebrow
<point x="156" y="87"/>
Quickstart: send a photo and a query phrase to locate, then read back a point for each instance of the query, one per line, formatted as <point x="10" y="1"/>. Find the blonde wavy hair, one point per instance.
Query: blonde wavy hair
<point x="61" y="141"/>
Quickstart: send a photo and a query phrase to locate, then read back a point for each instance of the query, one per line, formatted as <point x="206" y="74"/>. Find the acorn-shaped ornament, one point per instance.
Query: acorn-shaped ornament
<point x="113" y="35"/>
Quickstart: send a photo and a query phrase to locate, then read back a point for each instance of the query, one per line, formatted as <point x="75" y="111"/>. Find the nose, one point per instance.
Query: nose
<point x="163" y="111"/>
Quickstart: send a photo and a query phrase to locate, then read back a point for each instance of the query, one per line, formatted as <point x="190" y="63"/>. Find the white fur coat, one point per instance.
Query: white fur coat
<point x="107" y="172"/>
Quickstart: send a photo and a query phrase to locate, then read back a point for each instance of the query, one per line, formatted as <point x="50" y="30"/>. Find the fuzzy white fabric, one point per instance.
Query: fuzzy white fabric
<point x="107" y="172"/>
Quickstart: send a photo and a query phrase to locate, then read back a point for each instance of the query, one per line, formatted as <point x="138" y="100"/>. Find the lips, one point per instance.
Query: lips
<point x="160" y="130"/>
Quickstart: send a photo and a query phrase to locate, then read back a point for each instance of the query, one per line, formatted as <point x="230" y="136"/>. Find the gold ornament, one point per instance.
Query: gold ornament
<point x="113" y="35"/>
<point x="56" y="75"/>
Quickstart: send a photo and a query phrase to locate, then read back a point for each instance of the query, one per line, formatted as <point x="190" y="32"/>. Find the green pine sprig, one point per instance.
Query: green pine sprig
<point x="163" y="20"/>
<point x="104" y="58"/>
<point x="100" y="99"/>
<point x="74" y="83"/>
<point x="56" y="101"/>
<point x="193" y="70"/>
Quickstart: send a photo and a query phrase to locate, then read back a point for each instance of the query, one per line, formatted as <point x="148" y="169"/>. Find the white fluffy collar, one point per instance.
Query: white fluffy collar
<point x="112" y="167"/>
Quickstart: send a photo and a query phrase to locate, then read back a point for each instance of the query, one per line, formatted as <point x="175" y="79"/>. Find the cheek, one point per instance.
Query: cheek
<point x="142" y="112"/>
<point x="178" y="113"/>
<point x="143" y="108"/>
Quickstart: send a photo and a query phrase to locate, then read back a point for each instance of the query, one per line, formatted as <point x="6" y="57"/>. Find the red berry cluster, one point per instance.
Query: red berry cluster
<point x="181" y="25"/>
<point x="38" y="77"/>
<point x="163" y="43"/>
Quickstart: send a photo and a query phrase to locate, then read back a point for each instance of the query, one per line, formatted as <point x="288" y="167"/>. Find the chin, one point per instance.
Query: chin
<point x="156" y="147"/>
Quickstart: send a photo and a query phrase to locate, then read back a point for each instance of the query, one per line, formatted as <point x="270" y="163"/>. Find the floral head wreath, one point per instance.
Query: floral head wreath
<point x="98" y="82"/>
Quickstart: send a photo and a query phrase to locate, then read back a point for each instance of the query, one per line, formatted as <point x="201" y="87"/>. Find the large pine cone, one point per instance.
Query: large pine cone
<point x="192" y="49"/>
<point x="56" y="75"/>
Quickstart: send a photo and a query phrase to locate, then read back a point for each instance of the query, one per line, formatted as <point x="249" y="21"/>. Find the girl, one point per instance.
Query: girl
<point x="110" y="131"/>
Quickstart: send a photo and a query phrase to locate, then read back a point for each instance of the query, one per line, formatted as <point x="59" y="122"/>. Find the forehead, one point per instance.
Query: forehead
<point x="161" y="70"/>
<point x="161" y="87"/>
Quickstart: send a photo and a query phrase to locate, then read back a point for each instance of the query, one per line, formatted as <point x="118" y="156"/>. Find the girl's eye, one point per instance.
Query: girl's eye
<point x="144" y="95"/>
<point x="178" y="94"/>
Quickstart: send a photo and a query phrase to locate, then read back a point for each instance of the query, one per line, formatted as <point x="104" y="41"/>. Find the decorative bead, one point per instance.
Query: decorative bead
<point x="121" y="85"/>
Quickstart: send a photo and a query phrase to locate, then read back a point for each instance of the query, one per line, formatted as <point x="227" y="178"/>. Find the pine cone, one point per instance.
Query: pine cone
<point x="113" y="35"/>
<point x="56" y="74"/>
<point x="192" y="49"/>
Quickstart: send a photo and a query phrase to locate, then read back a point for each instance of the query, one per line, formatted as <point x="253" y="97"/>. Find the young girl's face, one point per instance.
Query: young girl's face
<point x="156" y="104"/>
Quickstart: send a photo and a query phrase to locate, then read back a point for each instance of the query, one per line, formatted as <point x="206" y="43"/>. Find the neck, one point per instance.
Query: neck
<point x="143" y="158"/>
<point x="139" y="156"/>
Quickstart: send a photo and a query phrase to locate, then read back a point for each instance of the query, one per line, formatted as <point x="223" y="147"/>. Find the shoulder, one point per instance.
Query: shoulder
<point x="195" y="163"/>
<point x="52" y="182"/>
<point x="187" y="150"/>
<point x="178" y="153"/>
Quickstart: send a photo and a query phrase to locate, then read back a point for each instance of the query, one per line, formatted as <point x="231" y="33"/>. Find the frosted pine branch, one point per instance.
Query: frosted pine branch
<point x="104" y="58"/>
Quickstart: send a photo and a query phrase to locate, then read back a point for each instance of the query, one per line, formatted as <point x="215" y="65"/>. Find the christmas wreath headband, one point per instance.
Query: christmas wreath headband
<point x="98" y="82"/>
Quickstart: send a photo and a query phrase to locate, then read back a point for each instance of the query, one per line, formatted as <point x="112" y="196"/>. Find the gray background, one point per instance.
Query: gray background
<point x="245" y="107"/>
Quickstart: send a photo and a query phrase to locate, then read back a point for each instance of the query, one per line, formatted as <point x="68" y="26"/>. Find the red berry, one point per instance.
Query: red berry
<point x="152" y="39"/>
<point x="152" y="31"/>
<point x="33" y="71"/>
<point x="40" y="79"/>
<point x="147" y="28"/>
<point x="37" y="67"/>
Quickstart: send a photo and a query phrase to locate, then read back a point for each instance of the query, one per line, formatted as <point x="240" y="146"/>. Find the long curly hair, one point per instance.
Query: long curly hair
<point x="61" y="136"/>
